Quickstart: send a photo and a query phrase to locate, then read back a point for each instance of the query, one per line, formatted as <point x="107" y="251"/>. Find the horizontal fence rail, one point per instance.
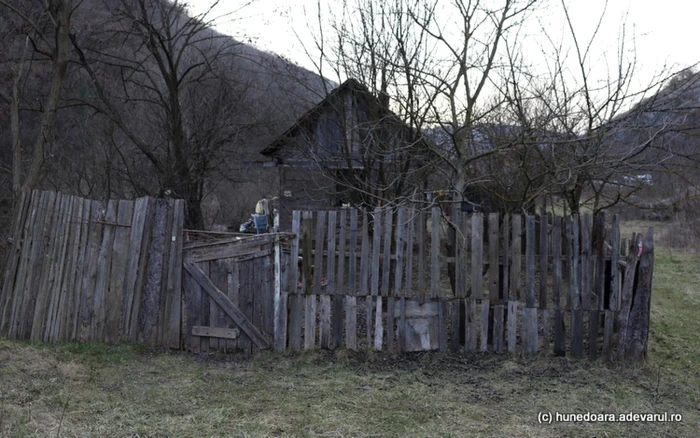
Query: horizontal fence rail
<point x="407" y="280"/>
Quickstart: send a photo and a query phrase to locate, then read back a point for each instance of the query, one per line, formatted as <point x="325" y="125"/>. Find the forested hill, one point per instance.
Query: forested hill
<point x="152" y="100"/>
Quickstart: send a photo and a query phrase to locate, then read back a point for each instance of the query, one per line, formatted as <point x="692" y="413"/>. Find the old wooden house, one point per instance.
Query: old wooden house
<point x="349" y="149"/>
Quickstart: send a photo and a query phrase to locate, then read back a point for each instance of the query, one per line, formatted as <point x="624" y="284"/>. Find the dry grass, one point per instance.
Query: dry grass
<point x="125" y="390"/>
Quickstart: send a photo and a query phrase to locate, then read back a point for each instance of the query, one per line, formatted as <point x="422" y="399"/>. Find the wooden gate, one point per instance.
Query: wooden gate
<point x="230" y="285"/>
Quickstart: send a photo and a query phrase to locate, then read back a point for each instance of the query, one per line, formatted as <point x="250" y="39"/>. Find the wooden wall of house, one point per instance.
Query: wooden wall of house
<point x="302" y="188"/>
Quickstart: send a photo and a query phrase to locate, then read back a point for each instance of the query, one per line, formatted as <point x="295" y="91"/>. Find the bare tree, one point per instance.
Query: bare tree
<point x="46" y="26"/>
<point x="160" y="77"/>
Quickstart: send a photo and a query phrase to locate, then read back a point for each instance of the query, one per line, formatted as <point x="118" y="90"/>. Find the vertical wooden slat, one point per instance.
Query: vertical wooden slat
<point x="87" y="297"/>
<point x="461" y="262"/>
<point x="530" y="261"/>
<point x="21" y="218"/>
<point x="576" y="310"/>
<point x="310" y="304"/>
<point x="398" y="277"/>
<point x="351" y="299"/>
<point x="435" y="253"/>
<point x="16" y="285"/>
<point x="627" y="293"/>
<point x="505" y="286"/>
<point x="477" y="249"/>
<point x="36" y="302"/>
<point x="135" y="266"/>
<point x="297" y="300"/>
<point x="530" y="338"/>
<point x="63" y="325"/>
<point x="614" y="259"/>
<point x="517" y="257"/>
<point x="544" y="261"/>
<point x="443" y="314"/>
<point x="559" y="329"/>
<point x="339" y="297"/>
<point x="208" y="311"/>
<point x="77" y="289"/>
<point x="498" y="328"/>
<point x="599" y="286"/>
<point x="493" y="258"/>
<point x="512" y="324"/>
<point x="104" y="265"/>
<point x="233" y="293"/>
<point x="586" y="261"/>
<point x="115" y="297"/>
<point x="485" y="307"/>
<point x="193" y="299"/>
<point x="420" y="236"/>
<point x="325" y="299"/>
<point x="280" y="299"/>
<point x="365" y="280"/>
<point x="58" y="262"/>
<point x="470" y="325"/>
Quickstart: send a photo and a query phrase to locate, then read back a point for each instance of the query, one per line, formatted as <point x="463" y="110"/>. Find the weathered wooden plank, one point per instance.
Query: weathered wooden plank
<point x="378" y="324"/>
<point x="544" y="263"/>
<point x="152" y="290"/>
<point x="193" y="314"/>
<point x="546" y="330"/>
<point x="16" y="285"/>
<point x="498" y="328"/>
<point x="19" y="238"/>
<point x="338" y="299"/>
<point x="599" y="285"/>
<point x="512" y="325"/>
<point x="386" y="254"/>
<point x="115" y="296"/>
<point x="420" y="237"/>
<point x="614" y="262"/>
<point x="567" y="264"/>
<point x="470" y="325"/>
<point x="529" y="263"/>
<point x="400" y="251"/>
<point x="312" y="272"/>
<point x="530" y="336"/>
<point x="104" y="266"/>
<point x="505" y="286"/>
<point x="575" y="267"/>
<point x="237" y="247"/>
<point x="216" y="332"/>
<point x="634" y="335"/>
<point x="58" y="263"/>
<point x="296" y="306"/>
<point x="364" y="286"/>
<point x="410" y="230"/>
<point x="76" y="305"/>
<point x="586" y="265"/>
<point x="233" y="292"/>
<point x="477" y="254"/>
<point x="63" y="325"/>
<point x="222" y="300"/>
<point x="350" y="299"/>
<point x="38" y="298"/>
<point x="280" y="299"/>
<point x="559" y="332"/>
<point x="207" y="312"/>
<point x="493" y="259"/>
<point x="136" y="248"/>
<point x="435" y="252"/>
<point x="376" y="248"/>
<point x="443" y="315"/>
<point x="577" y="333"/>
<point x="455" y="314"/>
<point x="87" y="298"/>
<point x="217" y="317"/>
<point x="517" y="257"/>
<point x="174" y="281"/>
<point x="485" y="307"/>
<point x="461" y="262"/>
<point x="390" y="322"/>
<point x="325" y="322"/>
<point x="401" y="326"/>
<point x="32" y="263"/>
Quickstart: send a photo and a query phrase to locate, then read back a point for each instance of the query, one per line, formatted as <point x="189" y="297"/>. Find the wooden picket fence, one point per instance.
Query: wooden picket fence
<point x="82" y="270"/>
<point x="391" y="280"/>
<point x="402" y="279"/>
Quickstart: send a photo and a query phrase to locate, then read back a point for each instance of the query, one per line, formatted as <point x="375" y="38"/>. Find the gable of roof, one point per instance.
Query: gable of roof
<point x="311" y="116"/>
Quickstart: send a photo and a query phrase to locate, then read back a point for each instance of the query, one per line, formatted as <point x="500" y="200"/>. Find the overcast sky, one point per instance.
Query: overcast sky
<point x="665" y="29"/>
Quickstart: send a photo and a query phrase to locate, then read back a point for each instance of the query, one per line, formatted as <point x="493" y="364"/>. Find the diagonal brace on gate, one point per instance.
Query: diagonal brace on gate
<point x="231" y="310"/>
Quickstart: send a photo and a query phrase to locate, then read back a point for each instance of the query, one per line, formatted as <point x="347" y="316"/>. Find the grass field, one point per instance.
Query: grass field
<point x="126" y="390"/>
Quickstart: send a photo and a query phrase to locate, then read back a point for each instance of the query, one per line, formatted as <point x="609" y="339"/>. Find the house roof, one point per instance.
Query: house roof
<point x="311" y="115"/>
